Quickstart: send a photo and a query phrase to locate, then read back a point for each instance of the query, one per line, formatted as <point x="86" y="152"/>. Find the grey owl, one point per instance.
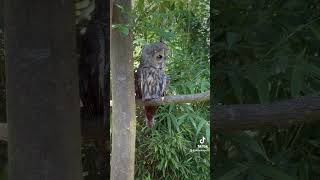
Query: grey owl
<point x="151" y="81"/>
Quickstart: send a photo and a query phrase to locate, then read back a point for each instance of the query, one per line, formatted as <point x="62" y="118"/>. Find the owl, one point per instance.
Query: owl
<point x="151" y="81"/>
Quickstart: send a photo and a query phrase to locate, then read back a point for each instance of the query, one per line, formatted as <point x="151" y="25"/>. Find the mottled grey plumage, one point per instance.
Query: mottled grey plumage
<point x="151" y="76"/>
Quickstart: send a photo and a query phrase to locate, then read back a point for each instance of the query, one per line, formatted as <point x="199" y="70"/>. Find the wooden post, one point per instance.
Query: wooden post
<point x="123" y="100"/>
<point x="42" y="90"/>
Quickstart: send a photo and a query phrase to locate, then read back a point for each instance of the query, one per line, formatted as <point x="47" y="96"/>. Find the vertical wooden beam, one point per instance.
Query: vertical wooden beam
<point x="42" y="90"/>
<point x="123" y="98"/>
<point x="107" y="88"/>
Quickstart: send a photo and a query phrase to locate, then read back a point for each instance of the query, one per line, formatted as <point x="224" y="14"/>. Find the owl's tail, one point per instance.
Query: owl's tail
<point x="149" y="113"/>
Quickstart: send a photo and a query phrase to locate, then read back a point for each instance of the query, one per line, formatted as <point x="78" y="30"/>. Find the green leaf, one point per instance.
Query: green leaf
<point x="304" y="170"/>
<point x="272" y="172"/>
<point x="122" y="9"/>
<point x="253" y="175"/>
<point x="258" y="76"/>
<point x="297" y="80"/>
<point x="234" y="173"/>
<point x="182" y="118"/>
<point x="193" y="122"/>
<point x="232" y="39"/>
<point x="171" y="107"/>
<point x="312" y="69"/>
<point x="200" y="125"/>
<point x="247" y="142"/>
<point x="124" y="29"/>
<point x="263" y="92"/>
<point x="169" y="124"/>
<point x="236" y="85"/>
<point x="140" y="5"/>
<point x="316" y="31"/>
<point x="208" y="133"/>
<point x="204" y="86"/>
<point x="175" y="122"/>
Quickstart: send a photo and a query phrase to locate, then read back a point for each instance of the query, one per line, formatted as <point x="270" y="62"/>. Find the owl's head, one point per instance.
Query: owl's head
<point x="155" y="55"/>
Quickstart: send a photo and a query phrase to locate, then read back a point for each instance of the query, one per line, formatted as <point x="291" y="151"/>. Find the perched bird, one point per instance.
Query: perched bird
<point x="151" y="81"/>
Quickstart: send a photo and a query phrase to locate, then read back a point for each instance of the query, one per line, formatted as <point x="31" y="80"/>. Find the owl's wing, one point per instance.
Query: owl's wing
<point x="137" y="84"/>
<point x="165" y="81"/>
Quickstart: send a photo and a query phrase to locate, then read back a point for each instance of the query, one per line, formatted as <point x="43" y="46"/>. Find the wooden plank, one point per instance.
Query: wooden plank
<point x="123" y="98"/>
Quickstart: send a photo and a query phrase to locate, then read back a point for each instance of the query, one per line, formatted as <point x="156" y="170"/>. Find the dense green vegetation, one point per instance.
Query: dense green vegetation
<point x="165" y="151"/>
<point x="266" y="51"/>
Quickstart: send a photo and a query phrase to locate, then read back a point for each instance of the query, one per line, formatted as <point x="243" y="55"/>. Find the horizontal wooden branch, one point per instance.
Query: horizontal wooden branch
<point x="177" y="99"/>
<point x="278" y="114"/>
<point x="243" y="116"/>
<point x="165" y="100"/>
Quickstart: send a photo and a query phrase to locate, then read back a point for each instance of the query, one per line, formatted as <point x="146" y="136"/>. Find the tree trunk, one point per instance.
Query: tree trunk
<point x="123" y="107"/>
<point x="42" y="91"/>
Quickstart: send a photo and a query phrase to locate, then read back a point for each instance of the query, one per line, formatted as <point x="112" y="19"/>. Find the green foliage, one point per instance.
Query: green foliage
<point x="267" y="51"/>
<point x="165" y="152"/>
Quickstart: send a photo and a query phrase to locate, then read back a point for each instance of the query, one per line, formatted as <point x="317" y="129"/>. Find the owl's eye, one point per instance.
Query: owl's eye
<point x="159" y="56"/>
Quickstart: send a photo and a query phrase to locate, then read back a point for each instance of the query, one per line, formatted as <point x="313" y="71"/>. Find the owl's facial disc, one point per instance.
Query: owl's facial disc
<point x="159" y="59"/>
<point x="160" y="56"/>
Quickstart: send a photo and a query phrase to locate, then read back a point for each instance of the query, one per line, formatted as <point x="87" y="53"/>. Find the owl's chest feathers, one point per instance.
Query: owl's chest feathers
<point x="152" y="81"/>
<point x="151" y="75"/>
